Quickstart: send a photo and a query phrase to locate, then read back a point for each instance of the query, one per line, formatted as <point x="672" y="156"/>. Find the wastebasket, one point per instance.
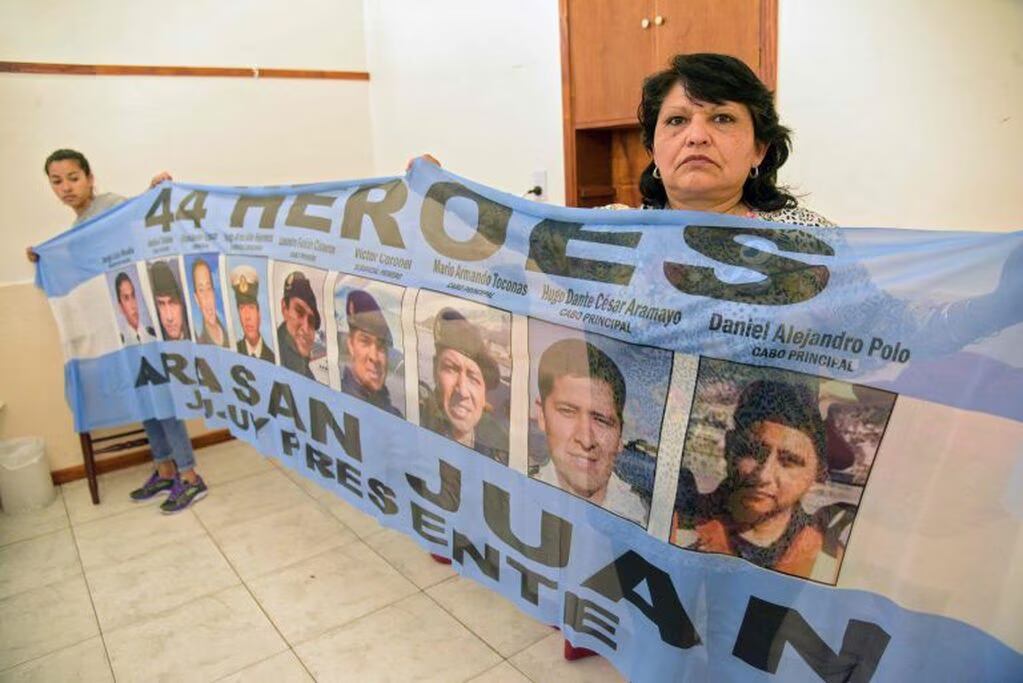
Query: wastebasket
<point x="25" y="482"/>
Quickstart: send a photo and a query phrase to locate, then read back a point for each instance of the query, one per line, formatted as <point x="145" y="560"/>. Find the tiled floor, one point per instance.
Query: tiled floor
<point x="268" y="579"/>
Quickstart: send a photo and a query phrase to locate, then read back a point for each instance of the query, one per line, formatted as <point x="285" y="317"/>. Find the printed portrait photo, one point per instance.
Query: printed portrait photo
<point x="169" y="299"/>
<point x="301" y="330"/>
<point x="203" y="271"/>
<point x="134" y="320"/>
<point x="774" y="466"/>
<point x="250" y="307"/>
<point x="465" y="372"/>
<point x="369" y="341"/>
<point x="595" y="419"/>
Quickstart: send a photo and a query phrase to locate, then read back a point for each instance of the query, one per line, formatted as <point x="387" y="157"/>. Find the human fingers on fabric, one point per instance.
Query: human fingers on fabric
<point x="31" y="254"/>
<point x="428" y="157"/>
<point x="162" y="176"/>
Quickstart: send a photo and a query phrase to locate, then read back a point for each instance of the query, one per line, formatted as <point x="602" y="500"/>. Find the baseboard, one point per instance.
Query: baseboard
<point x="132" y="458"/>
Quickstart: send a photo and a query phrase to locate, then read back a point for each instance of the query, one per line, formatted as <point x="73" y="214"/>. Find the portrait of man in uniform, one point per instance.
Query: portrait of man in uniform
<point x="300" y="320"/>
<point x="134" y="331"/>
<point x="170" y="304"/>
<point x="580" y="408"/>
<point x="212" y="331"/>
<point x="245" y="284"/>
<point x="463" y="372"/>
<point x="368" y="343"/>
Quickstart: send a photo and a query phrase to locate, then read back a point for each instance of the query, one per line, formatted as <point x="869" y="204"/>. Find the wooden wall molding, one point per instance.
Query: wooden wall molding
<point x="120" y="462"/>
<point x="194" y="71"/>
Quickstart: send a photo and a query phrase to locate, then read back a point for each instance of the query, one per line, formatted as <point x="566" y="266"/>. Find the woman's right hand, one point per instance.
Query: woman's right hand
<point x="427" y="157"/>
<point x="31" y="254"/>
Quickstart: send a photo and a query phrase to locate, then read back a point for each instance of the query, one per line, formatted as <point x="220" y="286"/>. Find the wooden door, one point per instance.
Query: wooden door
<point x="732" y="27"/>
<point x="610" y="52"/>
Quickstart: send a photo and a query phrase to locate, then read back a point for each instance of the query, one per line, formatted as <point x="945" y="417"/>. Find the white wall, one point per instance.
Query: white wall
<point x="477" y="84"/>
<point x="216" y="130"/>
<point x="906" y="113"/>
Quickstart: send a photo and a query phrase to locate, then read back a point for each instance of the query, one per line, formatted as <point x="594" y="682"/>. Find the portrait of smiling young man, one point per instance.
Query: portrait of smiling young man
<point x="580" y="410"/>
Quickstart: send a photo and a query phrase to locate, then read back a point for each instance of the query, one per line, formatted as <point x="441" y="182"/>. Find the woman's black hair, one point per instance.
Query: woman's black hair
<point x="67" y="155"/>
<point x="715" y="78"/>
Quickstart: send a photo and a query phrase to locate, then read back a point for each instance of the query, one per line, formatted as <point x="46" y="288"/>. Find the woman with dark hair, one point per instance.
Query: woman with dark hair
<point x="71" y="180"/>
<point x="713" y="132"/>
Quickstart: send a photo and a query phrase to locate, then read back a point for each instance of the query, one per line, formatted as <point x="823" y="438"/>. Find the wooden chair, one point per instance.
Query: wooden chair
<point x="122" y="441"/>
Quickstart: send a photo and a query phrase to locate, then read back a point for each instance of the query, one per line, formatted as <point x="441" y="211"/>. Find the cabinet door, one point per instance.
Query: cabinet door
<point x="731" y="27"/>
<point x="609" y="53"/>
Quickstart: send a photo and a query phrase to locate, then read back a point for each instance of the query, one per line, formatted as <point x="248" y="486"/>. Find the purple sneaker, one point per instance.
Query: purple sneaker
<point x="154" y="485"/>
<point x="183" y="494"/>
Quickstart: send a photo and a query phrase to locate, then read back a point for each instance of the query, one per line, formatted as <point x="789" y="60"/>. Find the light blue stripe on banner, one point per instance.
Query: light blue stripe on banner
<point x="375" y="469"/>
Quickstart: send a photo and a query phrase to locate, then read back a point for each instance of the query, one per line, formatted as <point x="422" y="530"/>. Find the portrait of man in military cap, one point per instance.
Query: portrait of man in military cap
<point x="134" y="319"/>
<point x="300" y="321"/>
<point x="468" y="399"/>
<point x="368" y="345"/>
<point x="170" y="303"/>
<point x="244" y="280"/>
<point x="205" y="272"/>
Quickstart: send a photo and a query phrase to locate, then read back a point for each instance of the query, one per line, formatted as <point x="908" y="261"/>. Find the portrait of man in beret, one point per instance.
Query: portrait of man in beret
<point x="245" y="284"/>
<point x="464" y="371"/>
<point x="300" y="321"/>
<point x="170" y="304"/>
<point x="368" y="342"/>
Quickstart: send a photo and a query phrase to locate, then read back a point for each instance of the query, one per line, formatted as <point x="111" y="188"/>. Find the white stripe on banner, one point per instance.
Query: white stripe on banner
<point x="86" y="321"/>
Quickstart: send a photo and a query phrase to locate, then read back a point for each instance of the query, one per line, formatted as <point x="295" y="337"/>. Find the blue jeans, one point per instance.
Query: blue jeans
<point x="169" y="439"/>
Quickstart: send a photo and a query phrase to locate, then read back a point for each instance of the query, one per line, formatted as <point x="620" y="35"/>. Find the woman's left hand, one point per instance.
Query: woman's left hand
<point x="159" y="178"/>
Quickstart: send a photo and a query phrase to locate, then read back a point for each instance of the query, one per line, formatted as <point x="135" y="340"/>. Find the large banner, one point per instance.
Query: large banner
<point x="707" y="447"/>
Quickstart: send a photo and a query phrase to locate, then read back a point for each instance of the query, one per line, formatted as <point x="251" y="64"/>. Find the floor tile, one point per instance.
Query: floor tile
<point x="502" y="673"/>
<point x="326" y="591"/>
<point x="405" y="555"/>
<point x="545" y="662"/>
<point x="411" y="640"/>
<point x="270" y="542"/>
<point x="216" y="635"/>
<point x="114" y="488"/>
<point x="281" y="668"/>
<point x="352" y="517"/>
<point x="306" y="484"/>
<point x="163" y="579"/>
<point x="247" y="498"/>
<point x="44" y="620"/>
<point x="362" y="524"/>
<point x="37" y="562"/>
<point x="131" y="534"/>
<point x="230" y="461"/>
<point x="489" y="615"/>
<point x="26" y="525"/>
<point x="85" y="662"/>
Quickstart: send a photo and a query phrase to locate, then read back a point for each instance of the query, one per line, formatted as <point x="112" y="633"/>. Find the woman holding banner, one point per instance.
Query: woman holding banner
<point x="716" y="145"/>
<point x="72" y="182"/>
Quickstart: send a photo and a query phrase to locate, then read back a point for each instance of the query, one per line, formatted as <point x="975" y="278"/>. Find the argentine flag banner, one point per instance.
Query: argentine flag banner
<point x="707" y="447"/>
